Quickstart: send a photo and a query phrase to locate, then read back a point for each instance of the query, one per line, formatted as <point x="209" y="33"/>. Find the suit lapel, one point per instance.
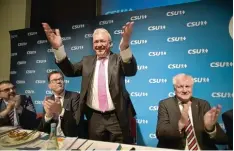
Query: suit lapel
<point x="195" y="114"/>
<point x="111" y="64"/>
<point x="66" y="102"/>
<point x="92" y="65"/>
<point x="176" y="113"/>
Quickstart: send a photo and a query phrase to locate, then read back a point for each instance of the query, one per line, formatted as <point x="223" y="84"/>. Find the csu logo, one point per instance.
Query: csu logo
<point x="38" y="102"/>
<point x="14" y="36"/>
<point x="118" y="11"/>
<point x="153" y="108"/>
<point x="220" y="64"/>
<point x="21" y="62"/>
<point x="14" y="54"/>
<point x="159" y="27"/>
<point x="77" y="47"/>
<point x="177" y="66"/>
<point x="141" y="121"/>
<point x="66" y="81"/>
<point x="66" y="38"/>
<point x="105" y="22"/>
<point x="29" y="91"/>
<point x="78" y="26"/>
<point x="30" y="71"/>
<point x="40" y="61"/>
<point x="201" y="80"/>
<point x="175" y="13"/>
<point x="159" y="53"/>
<point x="197" y="51"/>
<point x="196" y="24"/>
<point x="13" y="72"/>
<point x="50" y="70"/>
<point x="117" y="32"/>
<point x="157" y="80"/>
<point x="138" y="17"/>
<point x="142" y="67"/>
<point x="20" y="81"/>
<point x="32" y="33"/>
<point x="176" y="39"/>
<point x="48" y="92"/>
<point x="127" y="80"/>
<point x="40" y="81"/>
<point x="152" y="135"/>
<point x="50" y="50"/>
<point x="139" y="94"/>
<point x="22" y="44"/>
<point x="88" y="35"/>
<point x="222" y="95"/>
<point x="31" y="52"/>
<point x="171" y="94"/>
<point x="138" y="42"/>
<point x="41" y="42"/>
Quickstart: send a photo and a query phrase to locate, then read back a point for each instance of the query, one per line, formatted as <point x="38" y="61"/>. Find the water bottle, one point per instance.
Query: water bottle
<point x="52" y="143"/>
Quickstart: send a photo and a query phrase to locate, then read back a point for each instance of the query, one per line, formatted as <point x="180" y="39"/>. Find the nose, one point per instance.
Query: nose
<point x="11" y="90"/>
<point x="184" y="89"/>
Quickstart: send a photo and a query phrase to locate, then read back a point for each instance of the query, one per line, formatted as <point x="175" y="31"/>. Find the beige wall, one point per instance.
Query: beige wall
<point x="14" y="14"/>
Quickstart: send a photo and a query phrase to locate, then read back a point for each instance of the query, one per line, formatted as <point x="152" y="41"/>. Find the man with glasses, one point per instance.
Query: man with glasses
<point x="61" y="107"/>
<point x="16" y="110"/>
<point x="104" y="97"/>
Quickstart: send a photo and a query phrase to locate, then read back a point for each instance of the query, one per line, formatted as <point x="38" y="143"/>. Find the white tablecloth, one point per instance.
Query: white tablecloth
<point x="69" y="143"/>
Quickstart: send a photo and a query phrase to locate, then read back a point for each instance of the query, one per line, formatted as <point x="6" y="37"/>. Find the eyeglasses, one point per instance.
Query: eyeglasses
<point x="57" y="80"/>
<point x="8" y="89"/>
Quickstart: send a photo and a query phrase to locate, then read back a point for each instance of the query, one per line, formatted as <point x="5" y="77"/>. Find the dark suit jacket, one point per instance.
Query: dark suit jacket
<point x="117" y="70"/>
<point x="228" y="122"/>
<point x="167" y="127"/>
<point x="27" y="118"/>
<point x="68" y="122"/>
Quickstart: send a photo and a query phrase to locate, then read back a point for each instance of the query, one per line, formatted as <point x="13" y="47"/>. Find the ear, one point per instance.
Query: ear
<point x="49" y="86"/>
<point x="111" y="44"/>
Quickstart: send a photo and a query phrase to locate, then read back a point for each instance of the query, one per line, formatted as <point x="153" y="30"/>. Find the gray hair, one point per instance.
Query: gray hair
<point x="180" y="75"/>
<point x="102" y="30"/>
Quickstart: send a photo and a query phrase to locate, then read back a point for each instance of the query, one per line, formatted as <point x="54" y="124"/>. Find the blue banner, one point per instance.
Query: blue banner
<point x="193" y="38"/>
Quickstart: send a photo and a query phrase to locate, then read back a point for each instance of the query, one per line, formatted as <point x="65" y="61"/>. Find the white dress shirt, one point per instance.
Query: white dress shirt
<point x="16" y="118"/>
<point x="47" y="119"/>
<point x="92" y="100"/>
<point x="212" y="134"/>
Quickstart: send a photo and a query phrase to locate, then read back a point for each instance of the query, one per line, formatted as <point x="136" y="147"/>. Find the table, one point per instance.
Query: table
<point x="69" y="143"/>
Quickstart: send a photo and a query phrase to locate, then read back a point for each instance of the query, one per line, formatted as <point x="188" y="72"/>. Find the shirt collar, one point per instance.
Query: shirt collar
<point x="61" y="95"/>
<point x="107" y="57"/>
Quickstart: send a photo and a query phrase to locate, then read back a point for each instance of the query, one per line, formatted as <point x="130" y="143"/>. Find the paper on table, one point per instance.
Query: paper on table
<point x="104" y="146"/>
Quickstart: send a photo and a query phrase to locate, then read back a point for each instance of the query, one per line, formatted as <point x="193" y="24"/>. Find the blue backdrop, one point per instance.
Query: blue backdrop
<point x="118" y="6"/>
<point x="192" y="38"/>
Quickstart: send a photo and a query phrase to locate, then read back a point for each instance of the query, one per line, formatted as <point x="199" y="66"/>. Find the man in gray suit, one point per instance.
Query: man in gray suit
<point x="186" y="122"/>
<point x="103" y="96"/>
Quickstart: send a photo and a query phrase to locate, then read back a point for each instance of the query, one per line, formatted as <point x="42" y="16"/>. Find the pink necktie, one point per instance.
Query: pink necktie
<point x="102" y="95"/>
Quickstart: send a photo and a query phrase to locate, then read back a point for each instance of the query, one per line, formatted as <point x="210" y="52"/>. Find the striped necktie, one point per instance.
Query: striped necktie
<point x="11" y="116"/>
<point x="190" y="136"/>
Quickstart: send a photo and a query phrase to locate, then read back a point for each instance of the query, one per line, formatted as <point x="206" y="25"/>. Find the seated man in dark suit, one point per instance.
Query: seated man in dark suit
<point x="61" y="108"/>
<point x="186" y="122"/>
<point x="16" y="110"/>
<point x="228" y="123"/>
